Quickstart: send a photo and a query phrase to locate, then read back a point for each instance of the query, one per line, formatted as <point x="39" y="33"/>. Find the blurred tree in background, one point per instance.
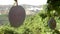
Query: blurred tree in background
<point x="53" y="5"/>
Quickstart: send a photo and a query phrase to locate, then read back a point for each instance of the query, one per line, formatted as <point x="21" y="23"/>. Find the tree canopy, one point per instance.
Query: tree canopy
<point x="53" y="5"/>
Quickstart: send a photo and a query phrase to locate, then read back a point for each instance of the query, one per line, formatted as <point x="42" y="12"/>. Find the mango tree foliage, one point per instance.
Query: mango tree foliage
<point x="53" y="5"/>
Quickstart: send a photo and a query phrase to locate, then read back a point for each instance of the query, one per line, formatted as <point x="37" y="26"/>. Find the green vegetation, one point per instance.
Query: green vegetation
<point x="53" y="5"/>
<point x="36" y="24"/>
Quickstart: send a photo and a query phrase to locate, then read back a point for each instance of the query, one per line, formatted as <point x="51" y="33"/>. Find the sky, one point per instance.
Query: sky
<point x="29" y="2"/>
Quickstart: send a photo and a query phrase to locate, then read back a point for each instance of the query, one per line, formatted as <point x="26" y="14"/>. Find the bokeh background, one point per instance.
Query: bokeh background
<point x="36" y="21"/>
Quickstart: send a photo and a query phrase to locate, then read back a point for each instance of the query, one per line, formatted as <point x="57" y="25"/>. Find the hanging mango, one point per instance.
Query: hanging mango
<point x="52" y="23"/>
<point x="16" y="15"/>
